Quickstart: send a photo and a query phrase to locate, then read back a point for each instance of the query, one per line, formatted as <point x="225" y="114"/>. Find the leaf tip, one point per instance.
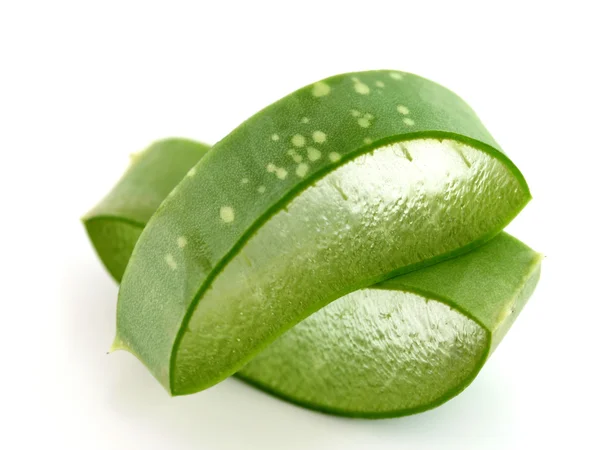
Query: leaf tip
<point x="118" y="344"/>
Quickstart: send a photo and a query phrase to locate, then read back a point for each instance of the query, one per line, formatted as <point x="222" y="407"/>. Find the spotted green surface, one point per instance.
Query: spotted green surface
<point x="250" y="177"/>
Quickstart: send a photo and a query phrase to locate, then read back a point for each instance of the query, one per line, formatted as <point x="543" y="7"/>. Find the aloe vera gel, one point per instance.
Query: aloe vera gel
<point x="341" y="249"/>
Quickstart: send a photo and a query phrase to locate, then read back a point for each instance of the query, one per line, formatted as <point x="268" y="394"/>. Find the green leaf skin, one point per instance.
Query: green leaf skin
<point x="115" y="223"/>
<point x="335" y="360"/>
<point x="392" y="178"/>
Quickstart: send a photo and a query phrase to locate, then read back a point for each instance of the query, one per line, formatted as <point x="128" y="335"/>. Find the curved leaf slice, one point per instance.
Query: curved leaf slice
<point x="367" y="220"/>
<point x="116" y="222"/>
<point x="256" y="239"/>
<point x="399" y="347"/>
<point x="407" y="344"/>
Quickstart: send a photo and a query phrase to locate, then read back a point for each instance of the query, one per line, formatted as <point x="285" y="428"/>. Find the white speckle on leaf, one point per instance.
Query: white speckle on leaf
<point x="275" y="137"/>
<point x="227" y="214"/>
<point x="295" y="156"/>
<point x="171" y="261"/>
<point x="380" y="84"/>
<point x="261" y="189"/>
<point x="298" y="140"/>
<point x="304" y="120"/>
<point x="364" y="122"/>
<point x="402" y="109"/>
<point x="191" y="172"/>
<point x="245" y="180"/>
<point x="319" y="137"/>
<point x="334" y="156"/>
<point x="396" y="75"/>
<point x="408" y="121"/>
<point x="368" y="140"/>
<point x="313" y="153"/>
<point x="360" y="87"/>
<point x="320" y="89"/>
<point x="181" y="241"/>
<point x="281" y="173"/>
<point x="302" y="169"/>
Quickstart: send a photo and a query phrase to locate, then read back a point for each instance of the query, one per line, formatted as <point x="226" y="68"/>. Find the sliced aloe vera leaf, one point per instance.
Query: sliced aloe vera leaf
<point x="329" y="190"/>
<point x="407" y="344"/>
<point x="396" y="348"/>
<point x="115" y="223"/>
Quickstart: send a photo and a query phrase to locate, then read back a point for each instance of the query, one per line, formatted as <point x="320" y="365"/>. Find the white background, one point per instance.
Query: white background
<point x="84" y="84"/>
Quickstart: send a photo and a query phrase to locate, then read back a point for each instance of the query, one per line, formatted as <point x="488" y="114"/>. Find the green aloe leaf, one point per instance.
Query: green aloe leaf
<point x="115" y="224"/>
<point x="345" y="183"/>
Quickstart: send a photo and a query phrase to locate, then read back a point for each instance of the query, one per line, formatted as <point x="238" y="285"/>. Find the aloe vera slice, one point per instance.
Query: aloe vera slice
<point x="342" y="184"/>
<point x="407" y="344"/>
<point x="335" y="361"/>
<point x="115" y="223"/>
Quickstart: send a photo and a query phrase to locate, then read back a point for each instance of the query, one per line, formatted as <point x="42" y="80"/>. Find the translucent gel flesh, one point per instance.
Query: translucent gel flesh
<point x="399" y="205"/>
<point x="371" y="351"/>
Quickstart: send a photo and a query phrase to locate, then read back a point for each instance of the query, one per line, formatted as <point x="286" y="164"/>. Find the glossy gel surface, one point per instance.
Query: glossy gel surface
<point x="398" y="206"/>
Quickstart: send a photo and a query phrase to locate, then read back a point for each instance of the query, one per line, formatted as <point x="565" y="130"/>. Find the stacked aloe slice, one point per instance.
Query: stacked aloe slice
<point x="341" y="249"/>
